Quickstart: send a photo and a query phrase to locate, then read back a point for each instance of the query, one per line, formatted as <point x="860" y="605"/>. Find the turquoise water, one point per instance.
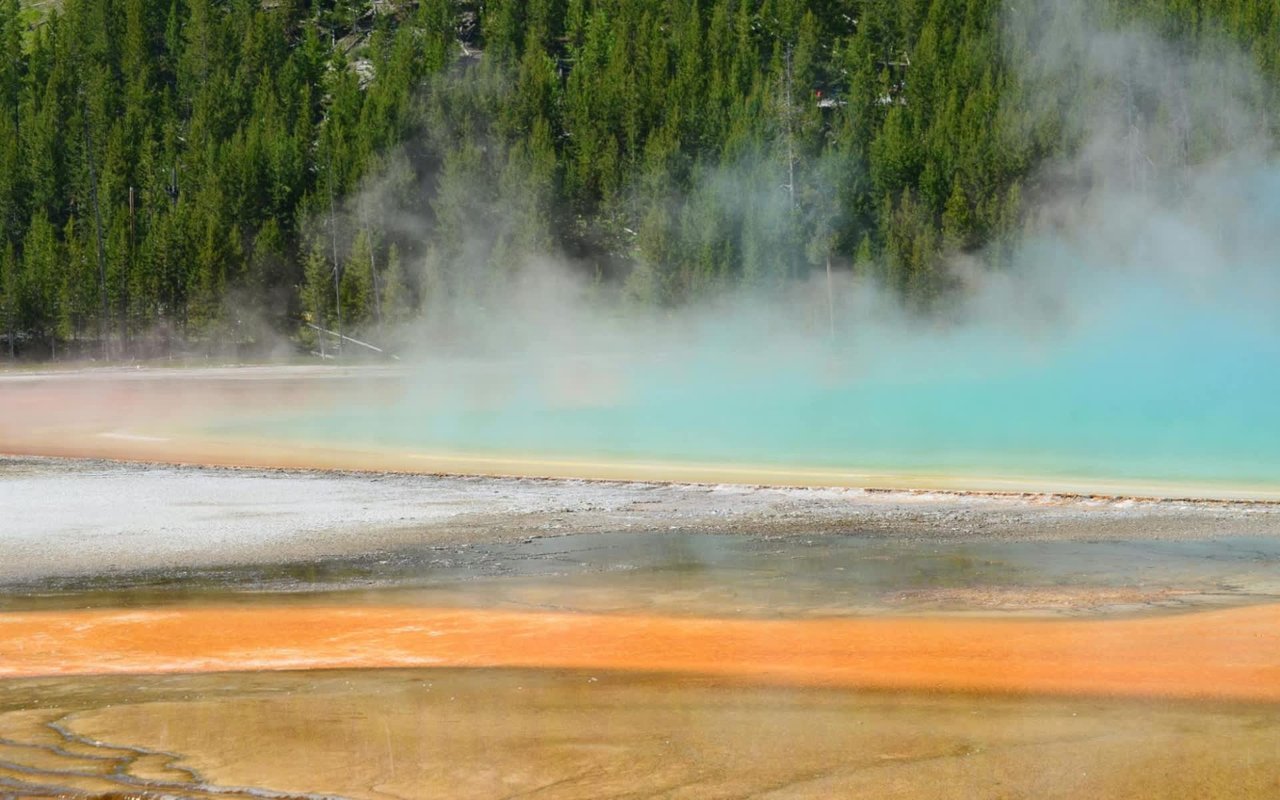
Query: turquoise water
<point x="1148" y="349"/>
<point x="1191" y="400"/>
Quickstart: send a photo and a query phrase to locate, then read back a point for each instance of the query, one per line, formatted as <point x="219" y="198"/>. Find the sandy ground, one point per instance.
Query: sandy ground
<point x="482" y="734"/>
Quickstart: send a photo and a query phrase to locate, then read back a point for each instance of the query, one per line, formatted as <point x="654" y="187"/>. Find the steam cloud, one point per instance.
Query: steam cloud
<point x="1135" y="334"/>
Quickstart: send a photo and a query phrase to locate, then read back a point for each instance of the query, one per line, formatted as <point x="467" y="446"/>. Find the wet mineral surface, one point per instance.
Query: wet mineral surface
<point x="572" y="604"/>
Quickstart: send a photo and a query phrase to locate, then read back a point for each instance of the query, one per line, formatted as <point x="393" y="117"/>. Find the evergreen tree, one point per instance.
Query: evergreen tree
<point x="317" y="293"/>
<point x="358" y="294"/>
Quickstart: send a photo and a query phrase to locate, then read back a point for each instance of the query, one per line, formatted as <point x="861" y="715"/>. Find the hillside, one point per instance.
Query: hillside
<point x="196" y="175"/>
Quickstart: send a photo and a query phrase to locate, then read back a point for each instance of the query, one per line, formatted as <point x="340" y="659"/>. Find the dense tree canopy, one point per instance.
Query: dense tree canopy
<point x="187" y="173"/>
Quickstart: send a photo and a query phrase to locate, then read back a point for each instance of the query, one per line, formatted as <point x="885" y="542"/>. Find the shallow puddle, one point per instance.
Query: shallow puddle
<point x="699" y="574"/>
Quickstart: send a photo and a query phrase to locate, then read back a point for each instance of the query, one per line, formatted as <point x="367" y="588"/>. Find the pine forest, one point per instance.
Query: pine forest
<point x="179" y="176"/>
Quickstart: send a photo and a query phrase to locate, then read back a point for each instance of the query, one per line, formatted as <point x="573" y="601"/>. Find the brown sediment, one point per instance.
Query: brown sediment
<point x="570" y="735"/>
<point x="1038" y="598"/>
<point x="1224" y="654"/>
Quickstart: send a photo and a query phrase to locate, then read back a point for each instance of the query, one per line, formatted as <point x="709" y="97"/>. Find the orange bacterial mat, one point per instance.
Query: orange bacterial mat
<point x="1228" y="654"/>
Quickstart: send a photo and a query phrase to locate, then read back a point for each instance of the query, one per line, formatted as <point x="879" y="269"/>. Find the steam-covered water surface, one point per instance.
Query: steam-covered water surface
<point x="1133" y="339"/>
<point x="1182" y="401"/>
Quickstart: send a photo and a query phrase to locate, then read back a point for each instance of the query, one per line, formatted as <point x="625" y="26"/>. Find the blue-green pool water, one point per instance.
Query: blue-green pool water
<point x="1194" y="400"/>
<point x="1147" y="352"/>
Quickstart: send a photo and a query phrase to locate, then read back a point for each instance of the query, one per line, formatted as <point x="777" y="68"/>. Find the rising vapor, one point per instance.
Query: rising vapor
<point x="1132" y="336"/>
